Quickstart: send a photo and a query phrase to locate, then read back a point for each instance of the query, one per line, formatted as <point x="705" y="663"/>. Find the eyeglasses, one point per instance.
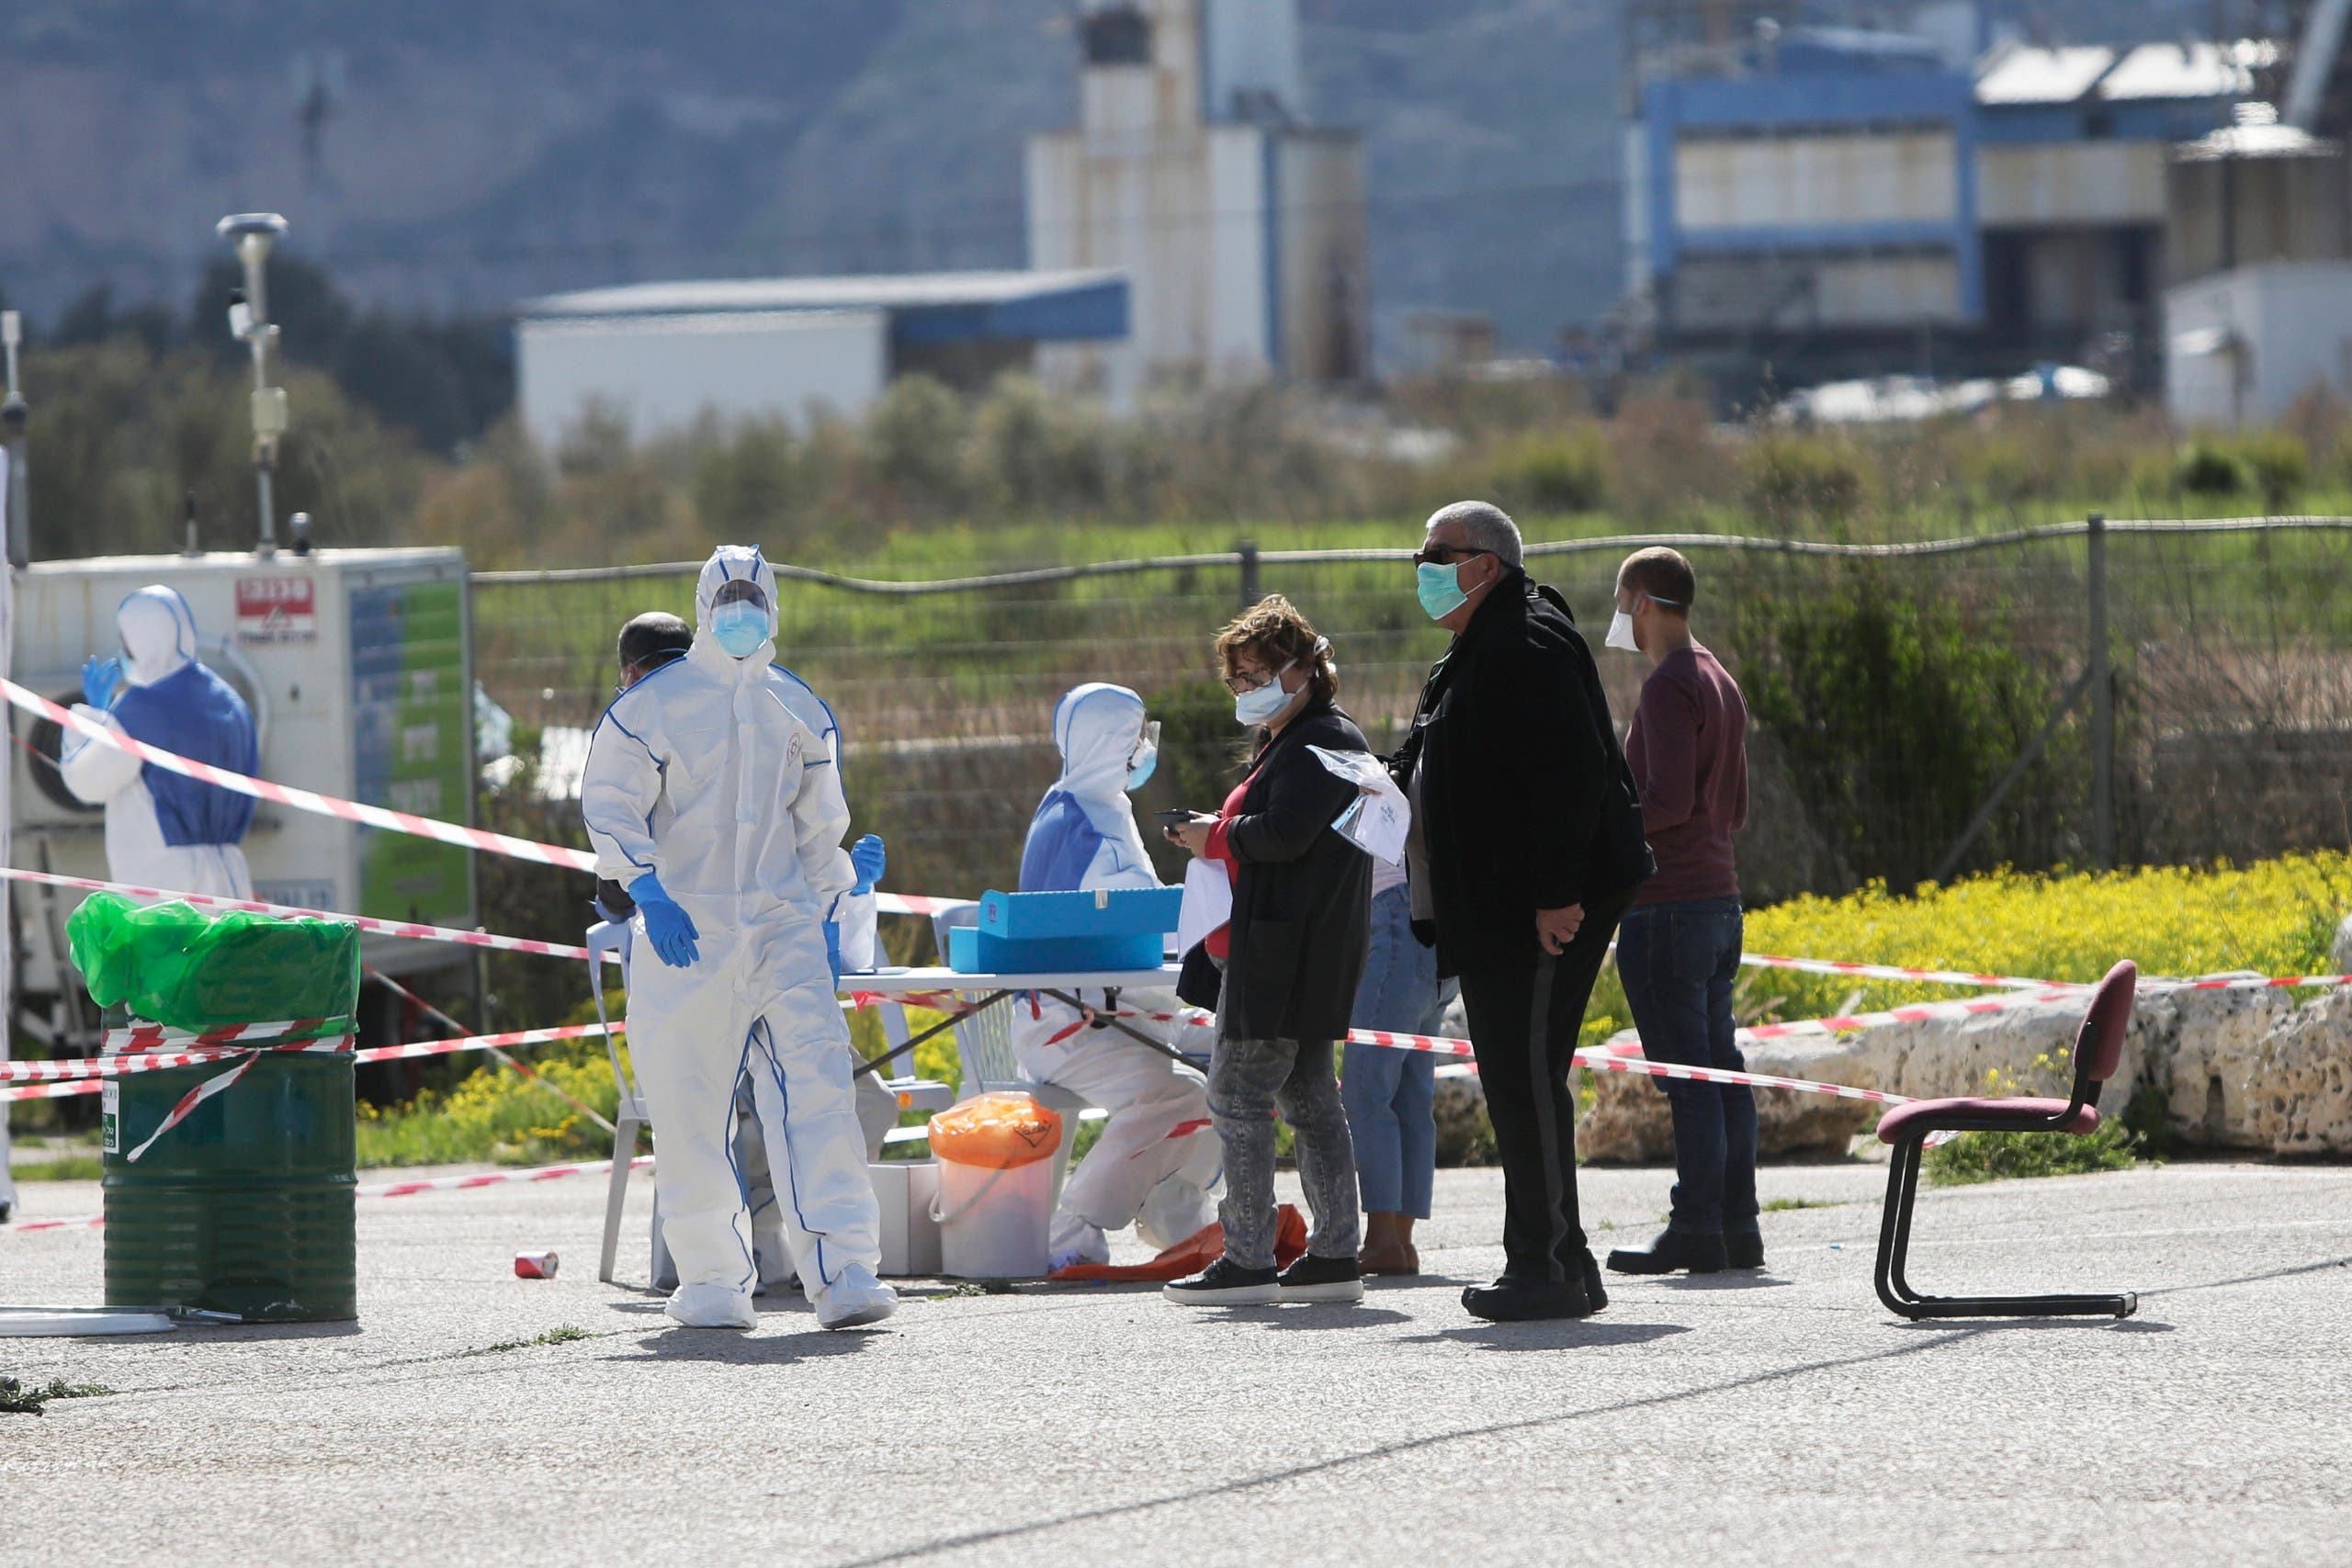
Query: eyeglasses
<point x="1238" y="684"/>
<point x="1445" y="555"/>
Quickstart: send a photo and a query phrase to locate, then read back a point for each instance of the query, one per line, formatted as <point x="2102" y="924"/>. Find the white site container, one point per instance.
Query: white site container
<point x="992" y="1223"/>
<point x="904" y="1190"/>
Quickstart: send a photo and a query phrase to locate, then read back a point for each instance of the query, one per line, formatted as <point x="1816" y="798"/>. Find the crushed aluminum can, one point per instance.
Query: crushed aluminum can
<point x="534" y="1266"/>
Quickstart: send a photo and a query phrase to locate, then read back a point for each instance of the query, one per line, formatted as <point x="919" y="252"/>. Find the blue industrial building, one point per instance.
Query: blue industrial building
<point x="1832" y="201"/>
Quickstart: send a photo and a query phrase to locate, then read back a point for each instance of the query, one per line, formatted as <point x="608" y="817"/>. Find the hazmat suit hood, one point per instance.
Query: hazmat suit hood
<point x="730" y="563"/>
<point x="1084" y="833"/>
<point x="158" y="632"/>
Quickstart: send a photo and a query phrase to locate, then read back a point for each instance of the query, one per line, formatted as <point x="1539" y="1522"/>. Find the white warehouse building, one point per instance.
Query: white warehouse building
<point x="661" y="356"/>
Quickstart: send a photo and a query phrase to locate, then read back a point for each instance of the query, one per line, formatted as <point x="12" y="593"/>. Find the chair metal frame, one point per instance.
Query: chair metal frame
<point x="2098" y="1045"/>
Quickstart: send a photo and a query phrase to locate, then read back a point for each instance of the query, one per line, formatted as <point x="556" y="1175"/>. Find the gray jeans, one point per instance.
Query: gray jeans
<point x="1249" y="1080"/>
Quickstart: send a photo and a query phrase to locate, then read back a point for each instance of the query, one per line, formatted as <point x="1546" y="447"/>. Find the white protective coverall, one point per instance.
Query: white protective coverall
<point x="1158" y="1160"/>
<point x="165" y="830"/>
<point x="704" y="772"/>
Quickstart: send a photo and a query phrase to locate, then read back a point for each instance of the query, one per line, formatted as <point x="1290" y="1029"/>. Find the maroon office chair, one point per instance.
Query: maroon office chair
<point x="2099" y="1048"/>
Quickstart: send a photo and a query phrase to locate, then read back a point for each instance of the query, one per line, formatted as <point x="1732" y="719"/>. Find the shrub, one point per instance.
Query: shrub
<point x="2279" y="466"/>
<point x="2276" y="917"/>
<point x="2001" y="1157"/>
<point x="1561" y="471"/>
<point x="2207" y="468"/>
<point x="1790" y="476"/>
<point x="1896" y="715"/>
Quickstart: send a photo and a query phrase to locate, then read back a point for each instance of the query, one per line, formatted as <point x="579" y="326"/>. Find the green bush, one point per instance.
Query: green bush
<point x="1790" y="476"/>
<point x="2279" y="465"/>
<point x="1560" y="471"/>
<point x="2208" y="468"/>
<point x="1898" y="714"/>
<point x="2001" y="1157"/>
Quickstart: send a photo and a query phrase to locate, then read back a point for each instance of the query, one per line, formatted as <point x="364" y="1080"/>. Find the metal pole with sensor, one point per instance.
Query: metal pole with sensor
<point x="252" y="234"/>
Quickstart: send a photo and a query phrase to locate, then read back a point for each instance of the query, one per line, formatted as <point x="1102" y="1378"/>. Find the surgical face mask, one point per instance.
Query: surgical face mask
<point x="1439" y="589"/>
<point x="1145" y="758"/>
<point x="1263" y="704"/>
<point x="740" y="627"/>
<point x="1621" y="632"/>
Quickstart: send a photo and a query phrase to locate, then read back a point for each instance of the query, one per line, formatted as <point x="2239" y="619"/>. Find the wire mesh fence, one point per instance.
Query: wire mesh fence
<point x="1893" y="685"/>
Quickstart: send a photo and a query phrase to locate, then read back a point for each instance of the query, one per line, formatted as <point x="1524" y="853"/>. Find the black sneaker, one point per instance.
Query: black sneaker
<point x="1225" y="1283"/>
<point x="1670" y="1251"/>
<point x="1743" y="1252"/>
<point x="1523" y="1300"/>
<point x="1595" y="1292"/>
<point x="1312" y="1278"/>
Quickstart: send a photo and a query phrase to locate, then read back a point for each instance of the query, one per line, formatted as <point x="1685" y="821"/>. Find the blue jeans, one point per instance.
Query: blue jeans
<point x="1677" y="962"/>
<point x="1389" y="1092"/>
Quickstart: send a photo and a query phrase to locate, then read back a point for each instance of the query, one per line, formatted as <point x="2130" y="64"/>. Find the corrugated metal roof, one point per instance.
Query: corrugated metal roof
<point x="2183" y="71"/>
<point x="878" y="291"/>
<point x="2025" y="74"/>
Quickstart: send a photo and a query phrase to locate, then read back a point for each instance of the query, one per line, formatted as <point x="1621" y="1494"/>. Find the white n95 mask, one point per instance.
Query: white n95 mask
<point x="1621" y="632"/>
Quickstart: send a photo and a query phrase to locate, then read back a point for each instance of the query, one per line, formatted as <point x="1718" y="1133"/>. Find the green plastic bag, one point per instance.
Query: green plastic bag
<point x="179" y="967"/>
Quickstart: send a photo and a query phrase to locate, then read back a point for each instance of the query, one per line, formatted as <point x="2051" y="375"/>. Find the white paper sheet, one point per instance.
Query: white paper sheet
<point x="1208" y="903"/>
<point x="1379" y="819"/>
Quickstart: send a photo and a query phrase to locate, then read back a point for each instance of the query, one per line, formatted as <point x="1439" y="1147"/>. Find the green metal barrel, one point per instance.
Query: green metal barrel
<point x="246" y="1206"/>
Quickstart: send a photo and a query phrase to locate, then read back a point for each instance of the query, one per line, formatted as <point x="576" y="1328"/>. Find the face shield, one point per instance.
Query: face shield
<point x="739" y="617"/>
<point x="1144" y="758"/>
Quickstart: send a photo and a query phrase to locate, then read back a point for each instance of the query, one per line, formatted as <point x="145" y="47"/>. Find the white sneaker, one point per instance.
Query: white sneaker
<point x="855" y="1298"/>
<point x="711" y="1306"/>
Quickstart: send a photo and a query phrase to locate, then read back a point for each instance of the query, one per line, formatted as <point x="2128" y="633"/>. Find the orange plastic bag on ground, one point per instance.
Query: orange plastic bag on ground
<point x="996" y="1132"/>
<point x="1196" y="1252"/>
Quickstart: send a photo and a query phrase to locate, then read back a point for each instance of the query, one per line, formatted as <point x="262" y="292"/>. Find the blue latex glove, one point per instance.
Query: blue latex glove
<point x="869" y="860"/>
<point x="100" y="676"/>
<point x="834" y="951"/>
<point x="667" y="926"/>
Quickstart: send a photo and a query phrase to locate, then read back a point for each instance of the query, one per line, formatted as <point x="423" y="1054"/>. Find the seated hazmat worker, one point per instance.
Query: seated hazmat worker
<point x="165" y="830"/>
<point x="646" y="643"/>
<point x="719" y="809"/>
<point x="1157" y="1160"/>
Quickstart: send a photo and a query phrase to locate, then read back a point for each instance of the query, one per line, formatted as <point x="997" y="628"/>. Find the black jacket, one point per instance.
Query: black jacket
<point x="1526" y="801"/>
<point x="1302" y="900"/>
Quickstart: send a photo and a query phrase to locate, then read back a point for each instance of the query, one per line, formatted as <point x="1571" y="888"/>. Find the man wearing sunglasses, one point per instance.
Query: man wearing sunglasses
<point x="1526" y="849"/>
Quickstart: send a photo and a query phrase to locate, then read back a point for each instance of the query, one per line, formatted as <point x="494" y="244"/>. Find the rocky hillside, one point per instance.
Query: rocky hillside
<point x="462" y="156"/>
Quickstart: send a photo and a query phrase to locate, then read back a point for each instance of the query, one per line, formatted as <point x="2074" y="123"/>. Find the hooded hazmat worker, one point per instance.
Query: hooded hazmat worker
<point x="720" y="807"/>
<point x="1158" y="1160"/>
<point x="165" y="830"/>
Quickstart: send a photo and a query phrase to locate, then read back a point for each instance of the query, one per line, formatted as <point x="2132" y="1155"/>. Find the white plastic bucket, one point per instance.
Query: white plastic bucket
<point x="992" y="1223"/>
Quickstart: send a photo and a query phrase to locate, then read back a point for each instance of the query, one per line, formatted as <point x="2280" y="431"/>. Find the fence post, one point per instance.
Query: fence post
<point x="1250" y="593"/>
<point x="2102" y="700"/>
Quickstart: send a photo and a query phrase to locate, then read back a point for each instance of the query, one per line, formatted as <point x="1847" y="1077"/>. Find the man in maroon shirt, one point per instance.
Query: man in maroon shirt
<point x="1677" y="950"/>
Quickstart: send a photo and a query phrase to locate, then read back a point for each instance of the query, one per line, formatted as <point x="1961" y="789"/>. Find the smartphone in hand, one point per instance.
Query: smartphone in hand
<point x="1175" y="818"/>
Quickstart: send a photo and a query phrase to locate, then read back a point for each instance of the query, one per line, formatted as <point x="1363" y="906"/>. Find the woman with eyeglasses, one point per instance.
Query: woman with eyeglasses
<point x="1293" y="955"/>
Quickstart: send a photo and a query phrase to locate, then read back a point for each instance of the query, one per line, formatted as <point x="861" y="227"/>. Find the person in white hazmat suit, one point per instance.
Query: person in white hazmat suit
<point x="165" y="830"/>
<point x="1158" y="1160"/>
<point x="646" y="643"/>
<point x="721" y="809"/>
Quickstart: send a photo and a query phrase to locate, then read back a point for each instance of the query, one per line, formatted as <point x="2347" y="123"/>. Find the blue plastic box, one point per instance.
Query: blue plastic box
<point x="1032" y="932"/>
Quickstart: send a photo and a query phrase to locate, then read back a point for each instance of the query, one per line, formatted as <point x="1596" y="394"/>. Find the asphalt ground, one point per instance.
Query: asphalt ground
<point x="1782" y="1418"/>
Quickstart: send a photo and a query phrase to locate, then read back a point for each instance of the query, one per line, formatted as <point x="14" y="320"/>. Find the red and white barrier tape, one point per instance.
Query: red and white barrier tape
<point x="372" y="816"/>
<point x="110" y="1067"/>
<point x="191" y="1099"/>
<point x="395" y="1188"/>
<point x="290" y="911"/>
<point x="143" y="1035"/>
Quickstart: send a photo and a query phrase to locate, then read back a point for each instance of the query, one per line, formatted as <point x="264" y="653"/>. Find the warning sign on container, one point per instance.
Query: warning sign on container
<point x="277" y="609"/>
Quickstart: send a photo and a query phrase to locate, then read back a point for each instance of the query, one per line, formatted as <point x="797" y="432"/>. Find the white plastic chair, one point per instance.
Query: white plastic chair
<point x="612" y="936"/>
